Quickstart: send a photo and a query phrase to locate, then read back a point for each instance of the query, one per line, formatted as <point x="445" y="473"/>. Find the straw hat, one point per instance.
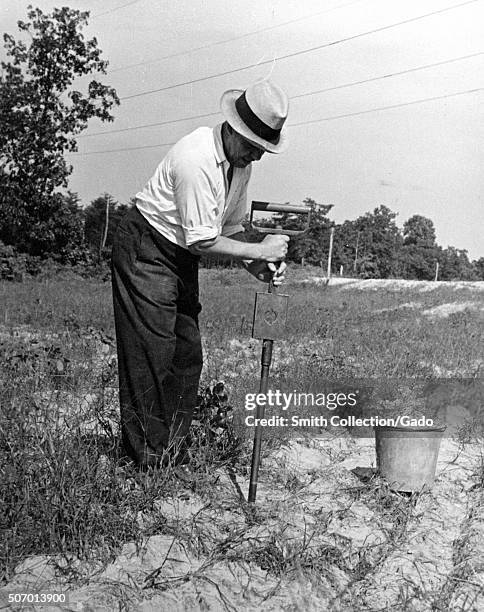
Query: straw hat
<point x="258" y="114"/>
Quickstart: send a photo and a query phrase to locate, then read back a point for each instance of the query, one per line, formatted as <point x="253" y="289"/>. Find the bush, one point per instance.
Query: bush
<point x="14" y="266"/>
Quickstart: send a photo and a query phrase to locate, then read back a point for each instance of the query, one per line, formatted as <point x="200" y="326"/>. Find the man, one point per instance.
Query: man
<point x="194" y="204"/>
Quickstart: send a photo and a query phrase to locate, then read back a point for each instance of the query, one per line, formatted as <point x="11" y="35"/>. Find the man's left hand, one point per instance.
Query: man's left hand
<point x="267" y="272"/>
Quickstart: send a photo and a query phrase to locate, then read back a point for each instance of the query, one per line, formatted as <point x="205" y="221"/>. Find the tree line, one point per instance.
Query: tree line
<point x="370" y="246"/>
<point x="42" y="114"/>
<point x="373" y="246"/>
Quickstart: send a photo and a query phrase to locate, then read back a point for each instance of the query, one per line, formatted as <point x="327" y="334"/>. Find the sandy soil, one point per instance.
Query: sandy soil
<point x="324" y="537"/>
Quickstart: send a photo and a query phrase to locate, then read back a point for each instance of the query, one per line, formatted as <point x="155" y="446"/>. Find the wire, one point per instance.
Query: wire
<point x="116" y="8"/>
<point x="146" y="125"/>
<point x="227" y="40"/>
<point x="386" y="76"/>
<point x="296" y="53"/>
<point x="302" y="95"/>
<point x="331" y="118"/>
<point x="381" y="108"/>
<point x="161" y="144"/>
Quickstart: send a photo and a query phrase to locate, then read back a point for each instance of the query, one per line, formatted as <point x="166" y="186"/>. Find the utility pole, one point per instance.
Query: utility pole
<point x="356" y="251"/>
<point x="330" y="254"/>
<point x="105" y="235"/>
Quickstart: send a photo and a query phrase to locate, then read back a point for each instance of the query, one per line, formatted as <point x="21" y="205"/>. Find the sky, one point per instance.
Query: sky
<point x="418" y="157"/>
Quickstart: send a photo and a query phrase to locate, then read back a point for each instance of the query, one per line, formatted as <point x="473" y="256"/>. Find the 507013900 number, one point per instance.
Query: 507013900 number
<point x="37" y="598"/>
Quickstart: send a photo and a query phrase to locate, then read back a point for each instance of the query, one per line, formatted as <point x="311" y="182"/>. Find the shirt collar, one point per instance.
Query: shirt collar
<point x="219" y="147"/>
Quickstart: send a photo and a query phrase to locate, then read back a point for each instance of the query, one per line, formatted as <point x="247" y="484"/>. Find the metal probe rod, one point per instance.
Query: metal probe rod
<point x="266" y="360"/>
<point x="270" y="313"/>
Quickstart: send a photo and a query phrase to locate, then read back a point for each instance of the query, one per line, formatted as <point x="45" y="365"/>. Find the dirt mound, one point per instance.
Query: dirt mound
<point x="445" y="310"/>
<point x="396" y="284"/>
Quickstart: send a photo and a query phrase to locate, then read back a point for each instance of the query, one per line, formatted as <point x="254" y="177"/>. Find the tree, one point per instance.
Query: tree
<point x="420" y="252"/>
<point x="41" y="114"/>
<point x="478" y="266"/>
<point x="61" y="234"/>
<point x="420" y="231"/>
<point x="455" y="265"/>
<point x="419" y="262"/>
<point x="379" y="243"/>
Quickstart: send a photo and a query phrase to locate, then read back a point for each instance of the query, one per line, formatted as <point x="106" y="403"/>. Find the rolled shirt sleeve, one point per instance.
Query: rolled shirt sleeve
<point x="230" y="230"/>
<point x="194" y="197"/>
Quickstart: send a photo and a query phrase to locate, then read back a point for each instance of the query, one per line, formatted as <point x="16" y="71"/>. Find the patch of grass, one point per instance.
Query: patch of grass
<point x="57" y="304"/>
<point x="369" y="331"/>
<point x="65" y="487"/>
<point x="62" y="489"/>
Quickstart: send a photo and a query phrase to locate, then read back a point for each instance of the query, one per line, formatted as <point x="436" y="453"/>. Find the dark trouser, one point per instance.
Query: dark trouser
<point x="155" y="294"/>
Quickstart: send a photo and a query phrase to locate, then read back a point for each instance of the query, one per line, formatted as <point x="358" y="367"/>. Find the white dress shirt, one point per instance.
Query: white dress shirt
<point x="188" y="199"/>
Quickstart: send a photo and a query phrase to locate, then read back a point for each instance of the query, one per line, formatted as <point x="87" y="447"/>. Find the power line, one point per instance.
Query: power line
<point x="227" y="40"/>
<point x="116" y="8"/>
<point x="297" y="53"/>
<point x="390" y="74"/>
<point x="156" y="146"/>
<point x="331" y="118"/>
<point x="302" y="95"/>
<point x="381" y="108"/>
<point x="146" y="125"/>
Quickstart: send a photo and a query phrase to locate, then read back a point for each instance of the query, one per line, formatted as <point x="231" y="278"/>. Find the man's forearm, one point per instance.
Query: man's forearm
<point x="234" y="246"/>
<point x="242" y="237"/>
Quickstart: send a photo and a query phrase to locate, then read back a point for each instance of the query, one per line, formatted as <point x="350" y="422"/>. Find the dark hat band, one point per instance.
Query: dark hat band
<point x="253" y="122"/>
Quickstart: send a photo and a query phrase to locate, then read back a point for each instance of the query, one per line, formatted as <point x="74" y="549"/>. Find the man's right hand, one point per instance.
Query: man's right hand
<point x="274" y="247"/>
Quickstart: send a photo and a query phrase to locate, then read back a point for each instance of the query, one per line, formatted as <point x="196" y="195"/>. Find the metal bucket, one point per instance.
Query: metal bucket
<point x="407" y="456"/>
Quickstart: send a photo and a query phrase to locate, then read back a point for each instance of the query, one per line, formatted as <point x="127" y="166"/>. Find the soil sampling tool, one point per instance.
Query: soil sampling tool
<point x="270" y="313"/>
